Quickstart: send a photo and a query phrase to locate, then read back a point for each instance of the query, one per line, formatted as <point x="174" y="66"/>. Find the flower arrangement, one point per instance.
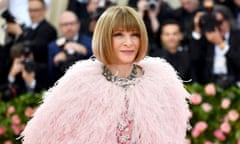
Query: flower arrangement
<point x="215" y="114"/>
<point x="14" y="114"/>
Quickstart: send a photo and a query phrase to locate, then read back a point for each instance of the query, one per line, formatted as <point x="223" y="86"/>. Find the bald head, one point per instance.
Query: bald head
<point x="68" y="16"/>
<point x="69" y="24"/>
<point x="190" y="5"/>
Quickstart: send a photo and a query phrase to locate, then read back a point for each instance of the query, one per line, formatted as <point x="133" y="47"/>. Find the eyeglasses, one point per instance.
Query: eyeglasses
<point x="68" y="24"/>
<point x="35" y="10"/>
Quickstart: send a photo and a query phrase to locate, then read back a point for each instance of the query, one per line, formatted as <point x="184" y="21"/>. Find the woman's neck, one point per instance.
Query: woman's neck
<point x="121" y="71"/>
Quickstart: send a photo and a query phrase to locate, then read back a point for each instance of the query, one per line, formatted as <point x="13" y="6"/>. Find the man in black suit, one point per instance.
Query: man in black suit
<point x="172" y="49"/>
<point x="35" y="41"/>
<point x="218" y="47"/>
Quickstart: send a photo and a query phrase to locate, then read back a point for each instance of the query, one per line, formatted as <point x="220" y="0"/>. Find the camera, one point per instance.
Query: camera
<point x="71" y="55"/>
<point x="28" y="62"/>
<point x="152" y="4"/>
<point x="8" y="17"/>
<point x="24" y="49"/>
<point x="207" y="23"/>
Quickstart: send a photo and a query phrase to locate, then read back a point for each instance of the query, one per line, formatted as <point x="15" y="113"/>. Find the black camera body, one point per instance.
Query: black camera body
<point x="28" y="62"/>
<point x="24" y="49"/>
<point x="208" y="21"/>
<point x="8" y="17"/>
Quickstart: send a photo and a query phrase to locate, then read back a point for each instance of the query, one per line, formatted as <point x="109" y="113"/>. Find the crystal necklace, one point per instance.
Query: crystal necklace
<point x="122" y="82"/>
<point x="125" y="125"/>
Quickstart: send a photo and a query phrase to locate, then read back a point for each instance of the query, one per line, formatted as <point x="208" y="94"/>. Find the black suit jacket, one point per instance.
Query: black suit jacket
<point x="202" y="53"/>
<point x="39" y="40"/>
<point x="180" y="61"/>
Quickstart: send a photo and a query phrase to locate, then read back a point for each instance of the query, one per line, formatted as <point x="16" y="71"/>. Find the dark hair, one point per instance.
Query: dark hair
<point x="170" y="22"/>
<point x="226" y="13"/>
<point x="17" y="50"/>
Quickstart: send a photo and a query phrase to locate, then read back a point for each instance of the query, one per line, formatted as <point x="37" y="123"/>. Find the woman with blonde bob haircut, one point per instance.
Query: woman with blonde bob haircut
<point x="117" y="18"/>
<point x="119" y="97"/>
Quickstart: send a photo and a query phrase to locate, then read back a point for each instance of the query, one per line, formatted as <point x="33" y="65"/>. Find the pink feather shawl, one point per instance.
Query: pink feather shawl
<point x="84" y="108"/>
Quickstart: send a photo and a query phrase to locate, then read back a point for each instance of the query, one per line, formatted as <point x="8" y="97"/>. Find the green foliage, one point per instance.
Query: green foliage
<point x="14" y="115"/>
<point x="221" y="115"/>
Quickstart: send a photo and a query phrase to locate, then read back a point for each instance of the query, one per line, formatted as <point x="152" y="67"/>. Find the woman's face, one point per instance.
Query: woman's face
<point x="125" y="45"/>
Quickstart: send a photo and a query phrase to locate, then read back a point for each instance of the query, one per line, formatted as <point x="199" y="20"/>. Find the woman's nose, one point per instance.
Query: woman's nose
<point x="128" y="40"/>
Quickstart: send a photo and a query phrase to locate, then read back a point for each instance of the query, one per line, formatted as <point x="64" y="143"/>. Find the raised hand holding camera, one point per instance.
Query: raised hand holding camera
<point x="75" y="47"/>
<point x="17" y="67"/>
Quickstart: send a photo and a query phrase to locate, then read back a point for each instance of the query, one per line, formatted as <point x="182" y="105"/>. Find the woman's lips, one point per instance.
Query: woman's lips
<point x="127" y="51"/>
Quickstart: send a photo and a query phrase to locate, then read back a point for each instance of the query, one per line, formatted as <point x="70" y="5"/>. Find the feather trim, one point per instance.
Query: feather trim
<point x="84" y="108"/>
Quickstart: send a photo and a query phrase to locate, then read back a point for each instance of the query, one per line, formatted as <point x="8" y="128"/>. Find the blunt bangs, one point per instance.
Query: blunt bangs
<point x="125" y="21"/>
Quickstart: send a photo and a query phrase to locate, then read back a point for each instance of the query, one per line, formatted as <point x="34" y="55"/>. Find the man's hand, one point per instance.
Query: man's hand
<point x="61" y="56"/>
<point x="17" y="67"/>
<point x="28" y="77"/>
<point x="14" y="28"/>
<point x="75" y="47"/>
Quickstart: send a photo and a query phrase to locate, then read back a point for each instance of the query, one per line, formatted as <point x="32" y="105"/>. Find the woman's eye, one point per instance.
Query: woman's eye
<point x="117" y="34"/>
<point x="136" y="34"/>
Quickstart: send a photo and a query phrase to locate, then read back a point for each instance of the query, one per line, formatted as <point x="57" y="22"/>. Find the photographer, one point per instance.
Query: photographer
<point x="22" y="74"/>
<point x="38" y="35"/>
<point x="215" y="45"/>
<point x="69" y="48"/>
<point x="153" y="12"/>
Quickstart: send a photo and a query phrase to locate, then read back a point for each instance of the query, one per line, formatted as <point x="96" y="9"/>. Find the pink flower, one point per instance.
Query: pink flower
<point x="29" y="112"/>
<point x="210" y="89"/>
<point x="16" y="129"/>
<point x="225" y="127"/>
<point x="238" y="142"/>
<point x="199" y="127"/>
<point x="8" y="142"/>
<point x="195" y="99"/>
<point x="195" y="133"/>
<point x="220" y="135"/>
<point x="233" y="115"/>
<point x="208" y="142"/>
<point x="206" y="107"/>
<point x="10" y="110"/>
<point x="16" y="119"/>
<point x="226" y="103"/>
<point x="2" y="130"/>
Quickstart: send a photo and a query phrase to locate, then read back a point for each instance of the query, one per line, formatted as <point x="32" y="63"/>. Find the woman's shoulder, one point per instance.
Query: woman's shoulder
<point x="81" y="74"/>
<point x="157" y="65"/>
<point x="83" y="68"/>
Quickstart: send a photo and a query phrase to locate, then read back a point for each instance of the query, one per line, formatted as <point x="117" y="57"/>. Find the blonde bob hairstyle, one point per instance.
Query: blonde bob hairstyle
<point x="113" y="19"/>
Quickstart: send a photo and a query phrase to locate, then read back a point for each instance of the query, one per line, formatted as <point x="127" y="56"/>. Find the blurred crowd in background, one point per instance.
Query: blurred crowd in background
<point x="40" y="39"/>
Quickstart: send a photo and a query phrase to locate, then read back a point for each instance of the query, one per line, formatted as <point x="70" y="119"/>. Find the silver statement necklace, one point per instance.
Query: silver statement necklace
<point x="122" y="82"/>
<point x="125" y="125"/>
